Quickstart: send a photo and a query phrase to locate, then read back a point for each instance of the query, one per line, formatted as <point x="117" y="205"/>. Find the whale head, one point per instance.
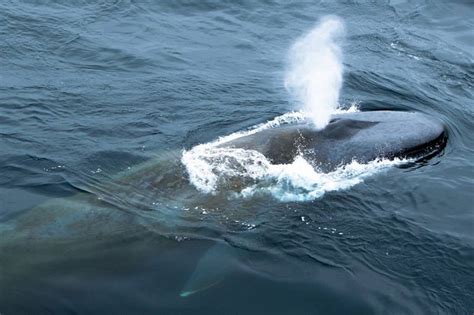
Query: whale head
<point x="360" y="136"/>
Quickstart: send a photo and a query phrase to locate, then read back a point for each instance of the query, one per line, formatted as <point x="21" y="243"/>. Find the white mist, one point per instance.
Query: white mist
<point x="314" y="74"/>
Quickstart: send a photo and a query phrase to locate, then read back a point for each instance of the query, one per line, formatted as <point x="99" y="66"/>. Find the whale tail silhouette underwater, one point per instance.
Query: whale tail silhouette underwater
<point x="80" y="224"/>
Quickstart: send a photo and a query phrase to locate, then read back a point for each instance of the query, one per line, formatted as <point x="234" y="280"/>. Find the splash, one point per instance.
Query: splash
<point x="314" y="75"/>
<point x="208" y="166"/>
<point x="245" y="173"/>
<point x="300" y="181"/>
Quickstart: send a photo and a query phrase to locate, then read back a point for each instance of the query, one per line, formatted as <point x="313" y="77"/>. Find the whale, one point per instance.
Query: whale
<point x="355" y="136"/>
<point x="99" y="220"/>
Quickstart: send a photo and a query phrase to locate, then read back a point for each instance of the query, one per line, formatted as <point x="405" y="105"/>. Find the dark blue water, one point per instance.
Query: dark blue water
<point x="90" y="89"/>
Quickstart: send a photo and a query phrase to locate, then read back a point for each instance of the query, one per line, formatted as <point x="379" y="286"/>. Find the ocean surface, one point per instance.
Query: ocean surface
<point x="105" y="104"/>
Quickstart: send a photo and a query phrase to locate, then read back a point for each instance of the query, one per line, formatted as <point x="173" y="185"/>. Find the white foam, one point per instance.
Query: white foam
<point x="299" y="181"/>
<point x="208" y="166"/>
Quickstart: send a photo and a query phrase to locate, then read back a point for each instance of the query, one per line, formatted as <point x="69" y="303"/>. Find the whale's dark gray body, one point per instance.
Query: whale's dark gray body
<point x="361" y="136"/>
<point x="112" y="219"/>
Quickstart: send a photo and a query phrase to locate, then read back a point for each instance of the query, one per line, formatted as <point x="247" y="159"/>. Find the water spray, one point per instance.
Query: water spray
<point x="314" y="74"/>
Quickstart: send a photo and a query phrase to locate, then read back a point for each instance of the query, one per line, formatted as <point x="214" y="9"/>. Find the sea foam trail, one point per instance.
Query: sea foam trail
<point x="314" y="74"/>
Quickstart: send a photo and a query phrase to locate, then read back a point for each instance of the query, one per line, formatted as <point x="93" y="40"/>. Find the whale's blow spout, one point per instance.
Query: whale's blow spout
<point x="314" y="75"/>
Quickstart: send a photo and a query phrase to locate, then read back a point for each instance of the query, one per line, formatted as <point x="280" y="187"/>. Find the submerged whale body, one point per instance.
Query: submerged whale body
<point x="360" y="136"/>
<point x="110" y="221"/>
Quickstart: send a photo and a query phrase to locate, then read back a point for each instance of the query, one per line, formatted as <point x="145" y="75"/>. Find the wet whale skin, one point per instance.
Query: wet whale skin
<point x="361" y="136"/>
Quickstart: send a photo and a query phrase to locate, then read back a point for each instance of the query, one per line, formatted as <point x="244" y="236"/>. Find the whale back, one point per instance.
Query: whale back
<point x="361" y="136"/>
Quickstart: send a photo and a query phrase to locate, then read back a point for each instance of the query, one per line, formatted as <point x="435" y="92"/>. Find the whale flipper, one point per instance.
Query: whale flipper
<point x="211" y="269"/>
